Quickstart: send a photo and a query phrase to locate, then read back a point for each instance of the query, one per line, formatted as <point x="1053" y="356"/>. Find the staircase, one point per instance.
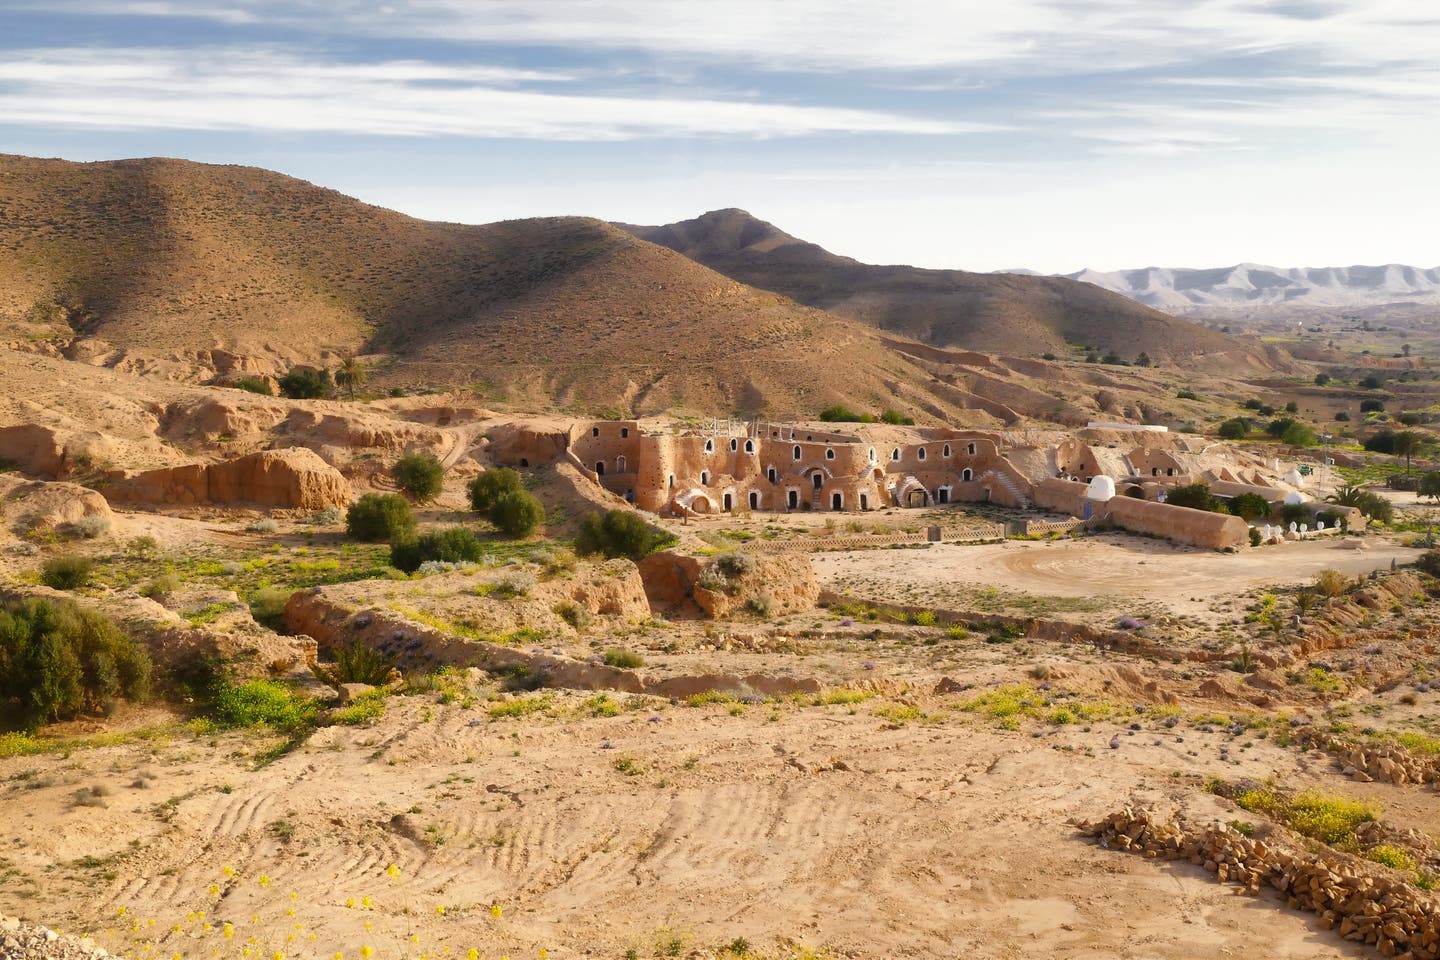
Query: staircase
<point x="1008" y="482"/>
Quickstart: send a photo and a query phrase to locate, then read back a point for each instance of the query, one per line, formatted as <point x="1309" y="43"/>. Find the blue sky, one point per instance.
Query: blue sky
<point x="1051" y="134"/>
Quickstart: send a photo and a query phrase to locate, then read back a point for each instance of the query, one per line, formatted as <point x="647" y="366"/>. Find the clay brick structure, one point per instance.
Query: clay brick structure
<point x="725" y="466"/>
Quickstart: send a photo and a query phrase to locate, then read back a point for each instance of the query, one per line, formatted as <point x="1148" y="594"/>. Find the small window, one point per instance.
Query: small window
<point x="594" y="431"/>
<point x="734" y="445"/>
<point x="704" y="478"/>
<point x="624" y="432"/>
<point x="709" y="446"/>
<point x="966" y="475"/>
<point x="796" y="451"/>
<point x="771" y="475"/>
<point x="749" y="446"/>
<point x="970" y="449"/>
<point x="922" y="453"/>
<point x="947" y="451"/>
<point x="895" y="454"/>
<point x="829" y="454"/>
<point x="809" y="437"/>
<point x="872" y="454"/>
<point x="672" y="479"/>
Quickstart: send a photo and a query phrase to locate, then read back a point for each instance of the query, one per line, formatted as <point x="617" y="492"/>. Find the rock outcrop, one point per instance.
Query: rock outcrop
<point x="769" y="584"/>
<point x="294" y="479"/>
<point x="31" y="504"/>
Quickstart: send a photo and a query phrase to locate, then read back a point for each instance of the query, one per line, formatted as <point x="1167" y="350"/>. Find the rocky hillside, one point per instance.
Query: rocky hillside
<point x="1253" y="285"/>
<point x="141" y="263"/>
<point x="999" y="313"/>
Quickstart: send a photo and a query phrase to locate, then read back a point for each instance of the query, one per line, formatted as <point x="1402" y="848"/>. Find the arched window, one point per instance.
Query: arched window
<point x="970" y="449"/>
<point x="749" y="446"/>
<point x="895" y="454"/>
<point x="624" y="432"/>
<point x="872" y="454"/>
<point x="734" y="445"/>
<point x="672" y="479"/>
<point x="947" y="451"/>
<point x="709" y="446"/>
<point x="967" y="475"/>
<point x="704" y="478"/>
<point x="594" y="431"/>
<point x="796" y="451"/>
<point x="922" y="453"/>
<point x="771" y="474"/>
<point x="619" y="464"/>
<point x="829" y="454"/>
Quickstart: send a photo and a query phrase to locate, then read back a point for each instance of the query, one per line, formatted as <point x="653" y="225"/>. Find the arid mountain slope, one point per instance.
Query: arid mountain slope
<point x="168" y="257"/>
<point x="999" y="313"/>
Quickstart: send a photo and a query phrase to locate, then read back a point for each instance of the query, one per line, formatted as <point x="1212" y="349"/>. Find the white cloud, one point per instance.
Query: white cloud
<point x="249" y="90"/>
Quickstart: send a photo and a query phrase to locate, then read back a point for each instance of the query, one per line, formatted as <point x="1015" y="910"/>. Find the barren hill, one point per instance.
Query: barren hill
<point x="1000" y="313"/>
<point x="167" y="257"/>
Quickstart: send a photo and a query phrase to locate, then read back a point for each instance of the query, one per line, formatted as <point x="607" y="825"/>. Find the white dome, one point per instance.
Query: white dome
<point x="1292" y="478"/>
<point x="1101" y="488"/>
<point x="1294" y="497"/>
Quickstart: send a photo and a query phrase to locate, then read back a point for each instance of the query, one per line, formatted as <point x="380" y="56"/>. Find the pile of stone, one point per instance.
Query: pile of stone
<point x="23" y="941"/>
<point x="1375" y="761"/>
<point x="1361" y="901"/>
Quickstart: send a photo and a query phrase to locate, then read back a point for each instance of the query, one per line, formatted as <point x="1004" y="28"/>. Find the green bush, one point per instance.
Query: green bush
<point x="1196" y="496"/>
<point x="620" y="533"/>
<point x="451" y="545"/>
<point x="895" y="418"/>
<point x="260" y="703"/>
<point x="306" y="383"/>
<point x="420" y="475"/>
<point x="380" y="518"/>
<point x="66" y="573"/>
<point x="1255" y="537"/>
<point x="490" y="485"/>
<point x="1429" y="485"/>
<point x="843" y="414"/>
<point x="516" y="514"/>
<point x="1294" y="513"/>
<point x="356" y="662"/>
<point x="1321" y="379"/>
<point x="254" y="385"/>
<point x="57" y="660"/>
<point x="1429" y="562"/>
<point x="624" y="659"/>
<point x="735" y="564"/>
<point x="1300" y="435"/>
<point x="1234" y="429"/>
<point x="1372" y="406"/>
<point x="1186" y="395"/>
<point x="1250" y="506"/>
<point x="267" y="605"/>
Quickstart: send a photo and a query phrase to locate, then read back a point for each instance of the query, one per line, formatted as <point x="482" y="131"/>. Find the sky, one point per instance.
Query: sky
<point x="977" y="134"/>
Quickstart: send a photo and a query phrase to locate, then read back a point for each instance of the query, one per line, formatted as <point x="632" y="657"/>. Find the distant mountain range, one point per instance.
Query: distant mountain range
<point x="1252" y="285"/>
<point x="1014" y="314"/>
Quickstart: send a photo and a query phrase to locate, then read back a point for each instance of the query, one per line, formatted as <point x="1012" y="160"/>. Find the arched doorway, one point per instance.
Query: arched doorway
<point x="792" y="499"/>
<point x="600" y="468"/>
<point x="700" y="505"/>
<point x="619" y="464"/>
<point x="817" y="479"/>
<point x="727" y="503"/>
<point x="942" y="495"/>
<point x="917" y="497"/>
<point x="864" y="501"/>
<point x="837" y="501"/>
<point x="967" y="475"/>
<point x="754" y="500"/>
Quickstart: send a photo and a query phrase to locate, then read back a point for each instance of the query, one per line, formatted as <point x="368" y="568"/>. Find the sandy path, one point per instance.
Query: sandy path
<point x="943" y="840"/>
<point x="1117" y="567"/>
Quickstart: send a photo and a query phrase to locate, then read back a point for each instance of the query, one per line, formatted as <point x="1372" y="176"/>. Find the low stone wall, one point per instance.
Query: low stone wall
<point x="416" y="646"/>
<point x="869" y="541"/>
<point x="1361" y="901"/>
<point x="1375" y="761"/>
<point x="1044" y="527"/>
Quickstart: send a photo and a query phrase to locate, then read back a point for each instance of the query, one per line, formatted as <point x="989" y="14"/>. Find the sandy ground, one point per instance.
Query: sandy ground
<point x="1119" y="570"/>
<point x="943" y="838"/>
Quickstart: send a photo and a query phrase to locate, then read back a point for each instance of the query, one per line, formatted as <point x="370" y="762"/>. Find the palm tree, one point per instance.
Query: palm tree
<point x="1407" y="443"/>
<point x="1349" y="495"/>
<point x="350" y="375"/>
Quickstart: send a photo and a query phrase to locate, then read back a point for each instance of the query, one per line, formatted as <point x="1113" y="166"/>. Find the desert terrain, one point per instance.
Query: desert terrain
<point x="330" y="628"/>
